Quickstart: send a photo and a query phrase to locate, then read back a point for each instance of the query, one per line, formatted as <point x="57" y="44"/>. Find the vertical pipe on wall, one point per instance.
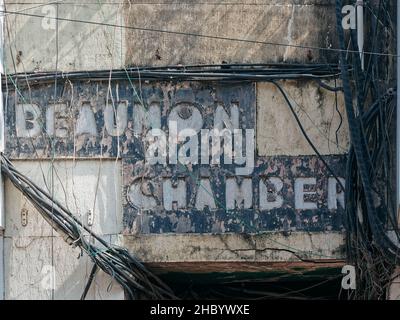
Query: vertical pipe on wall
<point x="360" y="29"/>
<point x="2" y="214"/>
<point x="398" y="116"/>
<point x="2" y="277"/>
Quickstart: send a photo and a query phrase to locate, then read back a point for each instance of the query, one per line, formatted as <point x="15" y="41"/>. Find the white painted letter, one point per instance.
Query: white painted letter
<point x="174" y="197"/>
<point x="57" y="120"/>
<point x="239" y="196"/>
<point x="137" y="197"/>
<point x="267" y="192"/>
<point x="86" y="122"/>
<point x="116" y="119"/>
<point x="333" y="195"/>
<point x="299" y="194"/>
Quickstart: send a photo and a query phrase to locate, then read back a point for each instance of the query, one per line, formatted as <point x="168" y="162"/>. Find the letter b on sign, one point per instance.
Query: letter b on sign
<point x="349" y="280"/>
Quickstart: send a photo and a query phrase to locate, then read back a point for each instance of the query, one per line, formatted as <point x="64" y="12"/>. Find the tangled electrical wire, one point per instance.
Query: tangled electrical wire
<point x="113" y="260"/>
<point x="370" y="201"/>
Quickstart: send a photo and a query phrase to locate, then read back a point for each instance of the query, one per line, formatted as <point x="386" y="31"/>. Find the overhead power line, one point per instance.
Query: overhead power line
<point x="209" y="3"/>
<point x="190" y="34"/>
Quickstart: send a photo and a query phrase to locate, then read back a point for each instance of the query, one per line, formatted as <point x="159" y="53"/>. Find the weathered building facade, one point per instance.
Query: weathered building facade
<point x="272" y="210"/>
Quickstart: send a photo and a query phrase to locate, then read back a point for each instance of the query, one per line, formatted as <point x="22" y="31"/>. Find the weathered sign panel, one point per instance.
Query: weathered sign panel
<point x="188" y="155"/>
<point x="89" y="119"/>
<point x="283" y="193"/>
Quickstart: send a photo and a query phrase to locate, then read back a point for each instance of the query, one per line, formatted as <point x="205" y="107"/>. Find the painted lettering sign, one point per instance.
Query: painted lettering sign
<point x="188" y="155"/>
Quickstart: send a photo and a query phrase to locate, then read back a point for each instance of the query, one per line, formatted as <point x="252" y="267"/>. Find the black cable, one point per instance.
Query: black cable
<point x="340" y="116"/>
<point x="225" y="72"/>
<point x="307" y="137"/>
<point x="357" y="138"/>
<point x="369" y="204"/>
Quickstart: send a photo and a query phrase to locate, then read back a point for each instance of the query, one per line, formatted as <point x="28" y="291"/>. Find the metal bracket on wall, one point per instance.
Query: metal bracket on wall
<point x="90" y="218"/>
<point x="24" y="217"/>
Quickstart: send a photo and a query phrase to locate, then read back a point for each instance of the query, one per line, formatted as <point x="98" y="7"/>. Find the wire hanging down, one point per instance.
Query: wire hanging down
<point x="370" y="204"/>
<point x="132" y="275"/>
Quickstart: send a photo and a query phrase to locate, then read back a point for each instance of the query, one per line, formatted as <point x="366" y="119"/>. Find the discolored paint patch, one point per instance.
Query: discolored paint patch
<point x="285" y="24"/>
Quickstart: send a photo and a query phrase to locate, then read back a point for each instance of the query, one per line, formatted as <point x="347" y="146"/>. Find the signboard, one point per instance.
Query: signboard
<point x="188" y="155"/>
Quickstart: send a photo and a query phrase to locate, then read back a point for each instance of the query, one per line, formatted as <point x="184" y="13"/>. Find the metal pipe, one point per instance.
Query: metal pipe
<point x="2" y="276"/>
<point x="2" y="209"/>
<point x="360" y="30"/>
<point x="398" y="115"/>
<point x="2" y="133"/>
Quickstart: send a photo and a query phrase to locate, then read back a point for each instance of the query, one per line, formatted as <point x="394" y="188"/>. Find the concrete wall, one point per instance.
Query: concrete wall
<point x="32" y="42"/>
<point x="33" y="252"/>
<point x="32" y="45"/>
<point x="265" y="247"/>
<point x="2" y="276"/>
<point x="95" y="185"/>
<point x="279" y="134"/>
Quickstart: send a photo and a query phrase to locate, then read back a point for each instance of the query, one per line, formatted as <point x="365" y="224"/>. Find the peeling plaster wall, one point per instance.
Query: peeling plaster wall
<point x="32" y="44"/>
<point x="81" y="46"/>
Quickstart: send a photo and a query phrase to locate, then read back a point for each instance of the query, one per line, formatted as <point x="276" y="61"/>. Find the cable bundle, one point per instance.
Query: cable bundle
<point x="218" y="72"/>
<point x="113" y="260"/>
<point x="370" y="204"/>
